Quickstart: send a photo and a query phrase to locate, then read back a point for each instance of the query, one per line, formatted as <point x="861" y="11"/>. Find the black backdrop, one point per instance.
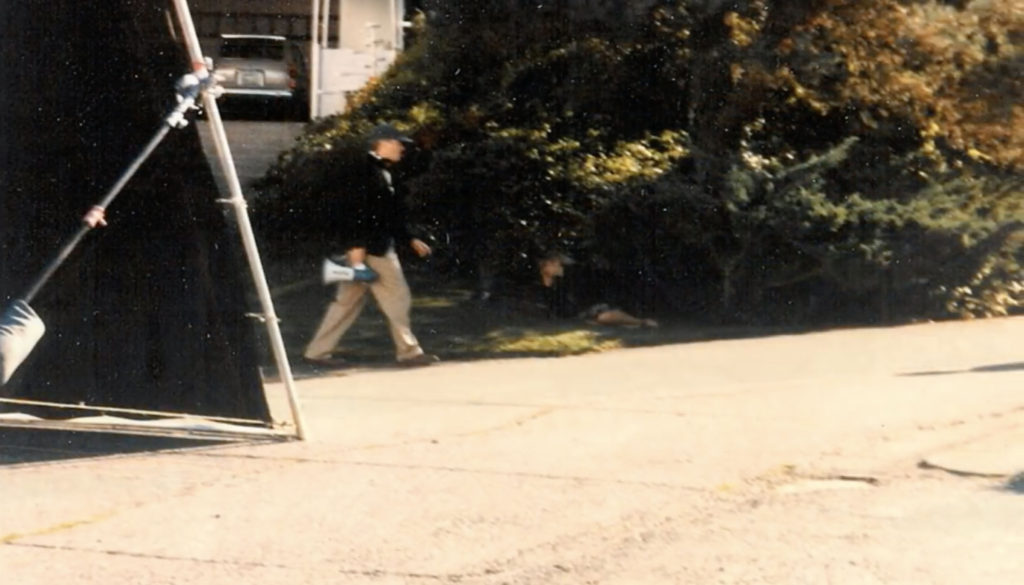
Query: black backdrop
<point x="149" y="311"/>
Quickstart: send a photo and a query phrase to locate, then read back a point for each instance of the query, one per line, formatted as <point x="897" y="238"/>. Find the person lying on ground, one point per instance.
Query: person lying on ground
<point x="561" y="302"/>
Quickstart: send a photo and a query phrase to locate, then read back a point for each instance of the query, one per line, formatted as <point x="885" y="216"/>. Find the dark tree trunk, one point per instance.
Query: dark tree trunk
<point x="149" y="311"/>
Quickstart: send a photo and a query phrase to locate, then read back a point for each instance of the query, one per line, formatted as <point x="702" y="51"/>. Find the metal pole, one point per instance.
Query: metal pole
<point x="395" y="24"/>
<point x="401" y="24"/>
<point x="237" y="202"/>
<point x="325" y="43"/>
<point x="373" y="45"/>
<point x="341" y="22"/>
<point x="103" y="204"/>
<point x="314" y="60"/>
<point x="327" y="24"/>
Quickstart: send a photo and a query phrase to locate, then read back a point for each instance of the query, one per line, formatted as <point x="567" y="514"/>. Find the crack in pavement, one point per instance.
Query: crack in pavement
<point x="13" y="537"/>
<point x="453" y="469"/>
<point x="450" y="577"/>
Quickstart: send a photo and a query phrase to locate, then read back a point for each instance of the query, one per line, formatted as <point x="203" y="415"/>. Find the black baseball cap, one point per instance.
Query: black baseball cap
<point x="386" y="132"/>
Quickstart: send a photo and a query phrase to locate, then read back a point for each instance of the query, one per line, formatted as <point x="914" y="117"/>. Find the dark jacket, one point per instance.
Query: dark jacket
<point x="372" y="214"/>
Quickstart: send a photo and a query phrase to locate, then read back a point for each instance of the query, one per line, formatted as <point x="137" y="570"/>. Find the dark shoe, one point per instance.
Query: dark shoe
<point x="424" y="359"/>
<point x="330" y="363"/>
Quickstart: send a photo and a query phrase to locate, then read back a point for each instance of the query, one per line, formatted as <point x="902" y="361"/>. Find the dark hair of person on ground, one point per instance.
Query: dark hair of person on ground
<point x="562" y="301"/>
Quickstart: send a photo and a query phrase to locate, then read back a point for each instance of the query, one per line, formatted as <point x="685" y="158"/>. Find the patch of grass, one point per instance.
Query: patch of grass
<point x="440" y="302"/>
<point x="450" y="323"/>
<point x="515" y="341"/>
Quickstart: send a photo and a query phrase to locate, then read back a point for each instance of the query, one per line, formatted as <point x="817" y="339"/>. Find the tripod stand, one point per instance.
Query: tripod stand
<point x="237" y="202"/>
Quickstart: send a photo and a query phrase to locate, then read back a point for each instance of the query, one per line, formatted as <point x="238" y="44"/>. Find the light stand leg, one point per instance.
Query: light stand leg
<point x="237" y="202"/>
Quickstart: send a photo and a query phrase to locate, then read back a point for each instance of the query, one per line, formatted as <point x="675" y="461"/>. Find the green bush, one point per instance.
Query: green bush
<point x="752" y="161"/>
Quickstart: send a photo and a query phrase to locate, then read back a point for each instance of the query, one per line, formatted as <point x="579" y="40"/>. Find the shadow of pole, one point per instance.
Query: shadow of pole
<point x="994" y="368"/>
<point x="1016" y="483"/>
<point x="1000" y="368"/>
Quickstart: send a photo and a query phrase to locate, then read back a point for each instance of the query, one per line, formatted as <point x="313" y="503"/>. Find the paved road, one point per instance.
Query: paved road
<point x="255" y="145"/>
<point x="785" y="460"/>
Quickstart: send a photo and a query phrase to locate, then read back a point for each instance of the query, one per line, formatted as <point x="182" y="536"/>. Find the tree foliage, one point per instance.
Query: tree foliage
<point x="759" y="160"/>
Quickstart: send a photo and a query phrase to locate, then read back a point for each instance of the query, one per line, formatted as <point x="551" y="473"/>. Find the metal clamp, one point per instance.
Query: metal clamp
<point x="187" y="91"/>
<point x="262" y="317"/>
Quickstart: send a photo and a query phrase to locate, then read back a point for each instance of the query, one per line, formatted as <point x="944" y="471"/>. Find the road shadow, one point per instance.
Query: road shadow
<point x="22" y="445"/>
<point x="1016" y="484"/>
<point x="1019" y="366"/>
<point x="994" y="368"/>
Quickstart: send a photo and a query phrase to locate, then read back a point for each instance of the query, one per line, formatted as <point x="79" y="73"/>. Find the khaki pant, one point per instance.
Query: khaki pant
<point x="394" y="298"/>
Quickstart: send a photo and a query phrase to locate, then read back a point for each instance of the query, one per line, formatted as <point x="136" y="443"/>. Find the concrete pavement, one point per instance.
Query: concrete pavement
<point x="255" y="146"/>
<point x="814" y="458"/>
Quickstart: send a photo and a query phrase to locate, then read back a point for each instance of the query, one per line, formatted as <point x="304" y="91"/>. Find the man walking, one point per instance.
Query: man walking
<point x="376" y="224"/>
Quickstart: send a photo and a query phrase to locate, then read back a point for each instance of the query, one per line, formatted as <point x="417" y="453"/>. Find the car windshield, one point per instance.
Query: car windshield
<point x="252" y="49"/>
